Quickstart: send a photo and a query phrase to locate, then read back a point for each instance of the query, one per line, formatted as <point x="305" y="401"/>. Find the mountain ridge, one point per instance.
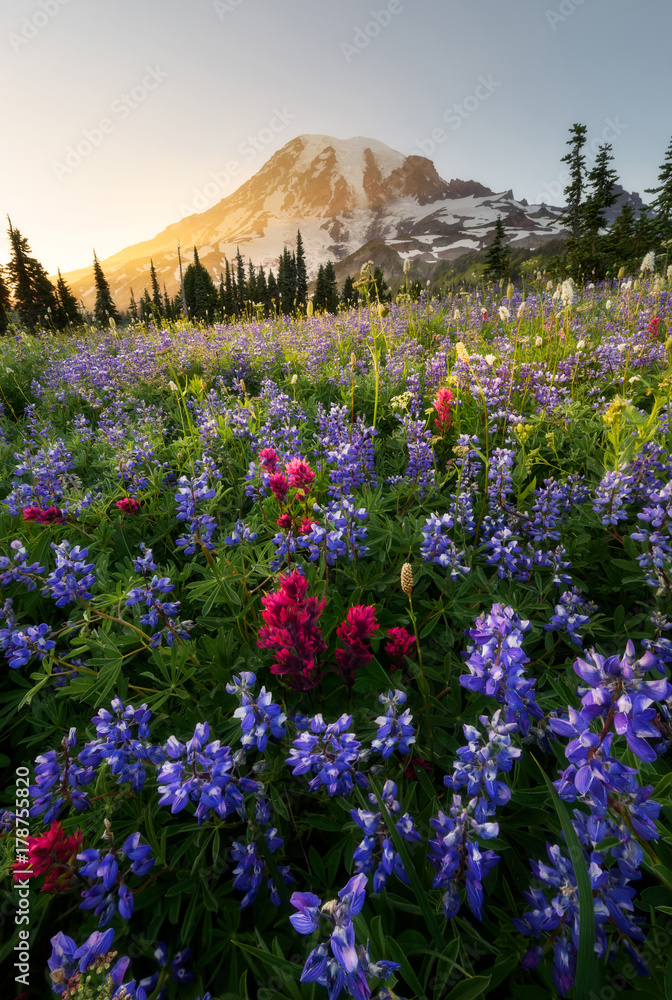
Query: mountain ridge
<point x="341" y="194"/>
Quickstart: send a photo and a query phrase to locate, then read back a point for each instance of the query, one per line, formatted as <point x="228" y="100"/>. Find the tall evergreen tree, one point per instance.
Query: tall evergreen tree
<point x="331" y="287"/>
<point x="349" y="293"/>
<point x="661" y="206"/>
<point x="145" y="307"/>
<point x="573" y="215"/>
<point x="262" y="287"/>
<point x="5" y="304"/>
<point x="251" y="282"/>
<point x="157" y="301"/>
<point x="380" y="289"/>
<point x="272" y="296"/>
<point x="34" y="295"/>
<point x="321" y="290"/>
<point x="301" y="273"/>
<point x="104" y="309"/>
<point x="133" y="308"/>
<point x="68" y="310"/>
<point x="498" y="254"/>
<point x="602" y="196"/>
<point x="241" y="283"/>
<point x="167" y="304"/>
<point x="200" y="291"/>
<point x="229" y="299"/>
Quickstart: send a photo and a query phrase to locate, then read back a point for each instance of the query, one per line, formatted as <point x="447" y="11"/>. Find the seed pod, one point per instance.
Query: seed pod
<point x="407" y="578"/>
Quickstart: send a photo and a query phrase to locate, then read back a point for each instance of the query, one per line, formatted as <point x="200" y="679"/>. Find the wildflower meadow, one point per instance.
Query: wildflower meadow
<point x="336" y="651"/>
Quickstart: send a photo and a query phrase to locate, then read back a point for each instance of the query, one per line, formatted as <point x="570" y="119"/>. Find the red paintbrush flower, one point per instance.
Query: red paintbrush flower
<point x="355" y="633"/>
<point x="279" y="486"/>
<point x="52" y="854"/>
<point x="128" y="505"/>
<point x="291" y="629"/>
<point x="268" y="459"/>
<point x="299" y="473"/>
<point x="400" y="644"/>
<point x="442" y="405"/>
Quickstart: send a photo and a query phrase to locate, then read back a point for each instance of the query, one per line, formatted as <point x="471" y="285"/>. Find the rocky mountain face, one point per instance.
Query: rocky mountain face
<point x="341" y="194"/>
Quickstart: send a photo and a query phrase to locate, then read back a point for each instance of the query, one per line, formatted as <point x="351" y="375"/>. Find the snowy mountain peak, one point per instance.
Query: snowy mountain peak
<point x="341" y="194"/>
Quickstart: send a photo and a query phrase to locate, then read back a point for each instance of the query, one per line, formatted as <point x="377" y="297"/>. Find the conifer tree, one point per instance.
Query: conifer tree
<point x="167" y="304"/>
<point x="68" y="310"/>
<point x="272" y="301"/>
<point x="301" y="273"/>
<point x="573" y="215"/>
<point x="349" y="293"/>
<point x="497" y="256"/>
<point x="145" y="307"/>
<point x="251" y="282"/>
<point x="34" y="295"/>
<point x="321" y="290"/>
<point x="262" y="287"/>
<point x="241" y="283"/>
<point x="5" y="304"/>
<point x="104" y="309"/>
<point x="331" y="287"/>
<point x="661" y="206"/>
<point x="157" y="301"/>
<point x="229" y="299"/>
<point x="200" y="291"/>
<point x="602" y="196"/>
<point x="133" y="308"/>
<point x="380" y="289"/>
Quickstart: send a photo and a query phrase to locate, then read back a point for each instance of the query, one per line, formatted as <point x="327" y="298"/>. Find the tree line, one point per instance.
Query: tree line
<point x="594" y="248"/>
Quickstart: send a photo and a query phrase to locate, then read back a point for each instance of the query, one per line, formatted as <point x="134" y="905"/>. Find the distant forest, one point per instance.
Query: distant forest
<point x="592" y="251"/>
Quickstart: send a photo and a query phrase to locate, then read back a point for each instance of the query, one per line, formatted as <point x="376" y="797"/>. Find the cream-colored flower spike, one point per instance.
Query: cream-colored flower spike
<point x="407" y="578"/>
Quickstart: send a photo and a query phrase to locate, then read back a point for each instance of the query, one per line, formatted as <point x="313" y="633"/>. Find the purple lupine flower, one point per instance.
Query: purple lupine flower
<point x="396" y="731"/>
<point x="331" y="753"/>
<point x="497" y="664"/>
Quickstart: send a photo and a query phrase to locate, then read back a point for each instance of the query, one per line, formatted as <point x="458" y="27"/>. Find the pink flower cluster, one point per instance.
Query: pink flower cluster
<point x="398" y="647"/>
<point x="355" y="634"/>
<point x="291" y="629"/>
<point x="442" y="404"/>
<point x="128" y="505"/>
<point x="52" y="854"/>
<point x="48" y="515"/>
<point x="298" y="475"/>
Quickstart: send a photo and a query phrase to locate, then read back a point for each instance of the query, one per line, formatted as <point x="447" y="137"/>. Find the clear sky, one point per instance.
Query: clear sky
<point x="121" y="116"/>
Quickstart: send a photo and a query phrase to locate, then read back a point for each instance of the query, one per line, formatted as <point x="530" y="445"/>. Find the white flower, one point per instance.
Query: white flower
<point x="295" y="379"/>
<point x="627" y="285"/>
<point x="591" y="285"/>
<point x="648" y="263"/>
<point x="173" y="387"/>
<point x="634" y="378"/>
<point x="581" y="344"/>
<point x="407" y="266"/>
<point x="556" y="296"/>
<point x="549" y="286"/>
<point x="538" y="341"/>
<point x="608" y="305"/>
<point x="456" y="314"/>
<point x="567" y="293"/>
<point x="521" y="310"/>
<point x="490" y="358"/>
<point x="669" y="272"/>
<point x="503" y="314"/>
<point x="10" y="371"/>
<point x="621" y="348"/>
